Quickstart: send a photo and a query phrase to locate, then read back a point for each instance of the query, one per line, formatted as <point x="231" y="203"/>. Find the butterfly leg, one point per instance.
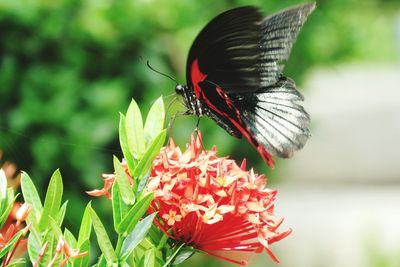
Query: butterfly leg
<point x="198" y="123"/>
<point x="173" y="117"/>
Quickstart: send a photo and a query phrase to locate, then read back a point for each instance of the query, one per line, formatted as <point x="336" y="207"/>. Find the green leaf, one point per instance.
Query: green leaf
<point x="148" y="259"/>
<point x="119" y="207"/>
<point x="55" y="228"/>
<point x="145" y="163"/>
<point x="83" y="261"/>
<point x="123" y="140"/>
<point x="53" y="200"/>
<point x="137" y="235"/>
<point x="102" y="262"/>
<point x="154" y="121"/>
<point x="183" y="255"/>
<point x="17" y="262"/>
<point x="142" y="184"/>
<point x="8" y="205"/>
<point x="31" y="197"/>
<point x="61" y="213"/>
<point x="3" y="190"/>
<point x="124" y="186"/>
<point x="134" y="130"/>
<point x="52" y="236"/>
<point x="70" y="238"/>
<point x="134" y="214"/>
<point x="163" y="239"/>
<point x="86" y="226"/>
<point x="102" y="239"/>
<point x="173" y="256"/>
<point x="10" y="244"/>
<point x="33" y="248"/>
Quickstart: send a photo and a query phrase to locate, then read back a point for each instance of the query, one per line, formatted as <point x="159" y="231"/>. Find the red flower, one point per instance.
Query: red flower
<point x="211" y="203"/>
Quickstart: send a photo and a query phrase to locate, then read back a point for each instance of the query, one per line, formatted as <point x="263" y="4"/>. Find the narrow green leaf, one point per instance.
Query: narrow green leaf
<point x="154" y="121"/>
<point x="86" y="226"/>
<point x="52" y="236"/>
<point x="31" y="197"/>
<point x="33" y="248"/>
<point x="119" y="207"/>
<point x="145" y="163"/>
<point x="17" y="262"/>
<point x="137" y="235"/>
<point x="55" y="228"/>
<point x="148" y="259"/>
<point x="134" y="214"/>
<point x="134" y="130"/>
<point x="3" y="190"/>
<point x="102" y="262"/>
<point x="61" y="213"/>
<point x="10" y="244"/>
<point x="173" y="256"/>
<point x="102" y="238"/>
<point x="124" y="186"/>
<point x="83" y="261"/>
<point x="70" y="238"/>
<point x="142" y="184"/>
<point x="53" y="200"/>
<point x="8" y="205"/>
<point x="123" y="140"/>
<point x="163" y="240"/>
<point x="183" y="255"/>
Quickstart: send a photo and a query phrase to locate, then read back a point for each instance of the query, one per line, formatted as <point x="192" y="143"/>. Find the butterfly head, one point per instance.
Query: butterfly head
<point x="180" y="89"/>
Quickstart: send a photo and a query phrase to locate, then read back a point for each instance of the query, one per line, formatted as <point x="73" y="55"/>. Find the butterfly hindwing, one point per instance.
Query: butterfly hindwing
<point x="275" y="118"/>
<point x="223" y="110"/>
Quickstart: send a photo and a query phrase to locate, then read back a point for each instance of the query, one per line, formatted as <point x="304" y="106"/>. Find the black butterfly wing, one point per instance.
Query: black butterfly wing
<point x="228" y="50"/>
<point x="234" y="69"/>
<point x="279" y="31"/>
<point x="241" y="51"/>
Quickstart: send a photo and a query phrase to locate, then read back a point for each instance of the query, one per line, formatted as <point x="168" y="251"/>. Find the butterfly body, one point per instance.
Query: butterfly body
<point x="234" y="76"/>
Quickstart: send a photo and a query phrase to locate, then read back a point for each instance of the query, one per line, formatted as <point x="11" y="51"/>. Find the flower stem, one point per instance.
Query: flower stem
<point x="119" y="245"/>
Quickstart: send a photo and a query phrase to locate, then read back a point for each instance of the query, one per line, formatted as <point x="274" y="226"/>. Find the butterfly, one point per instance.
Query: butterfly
<point x="234" y="76"/>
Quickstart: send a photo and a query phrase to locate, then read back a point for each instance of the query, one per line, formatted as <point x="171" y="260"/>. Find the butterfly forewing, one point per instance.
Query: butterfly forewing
<point x="228" y="50"/>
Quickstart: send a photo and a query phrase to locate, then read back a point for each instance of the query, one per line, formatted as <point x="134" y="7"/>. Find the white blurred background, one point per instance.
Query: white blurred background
<point x="341" y="194"/>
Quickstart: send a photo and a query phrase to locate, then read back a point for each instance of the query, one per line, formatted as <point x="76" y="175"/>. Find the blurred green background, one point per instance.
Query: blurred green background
<point x="68" y="67"/>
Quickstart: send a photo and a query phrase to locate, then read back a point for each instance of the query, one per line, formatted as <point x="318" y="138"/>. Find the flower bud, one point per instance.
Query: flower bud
<point x="23" y="212"/>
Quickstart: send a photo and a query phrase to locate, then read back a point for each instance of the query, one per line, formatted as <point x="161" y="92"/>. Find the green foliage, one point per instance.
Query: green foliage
<point x="6" y="203"/>
<point x="48" y="243"/>
<point x="130" y="205"/>
<point x="103" y="240"/>
<point x="10" y="244"/>
<point x="6" y="198"/>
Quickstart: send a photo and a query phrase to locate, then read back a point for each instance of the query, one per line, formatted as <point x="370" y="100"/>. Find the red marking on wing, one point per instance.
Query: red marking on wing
<point x="196" y="76"/>
<point x="237" y="122"/>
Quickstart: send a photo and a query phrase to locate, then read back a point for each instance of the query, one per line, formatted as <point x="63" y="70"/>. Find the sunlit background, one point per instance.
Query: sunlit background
<point x="68" y="67"/>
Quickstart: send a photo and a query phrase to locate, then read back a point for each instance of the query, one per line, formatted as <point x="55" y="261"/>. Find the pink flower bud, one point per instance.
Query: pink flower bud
<point x="23" y="212"/>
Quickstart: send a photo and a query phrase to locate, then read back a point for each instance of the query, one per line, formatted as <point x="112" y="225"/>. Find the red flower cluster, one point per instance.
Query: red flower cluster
<point x="211" y="203"/>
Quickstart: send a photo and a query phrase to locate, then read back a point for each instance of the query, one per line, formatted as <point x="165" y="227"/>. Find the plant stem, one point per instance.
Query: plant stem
<point x="119" y="245"/>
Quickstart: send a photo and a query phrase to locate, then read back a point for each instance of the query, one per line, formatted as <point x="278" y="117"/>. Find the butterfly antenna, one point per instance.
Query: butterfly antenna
<point x="159" y="72"/>
<point x="169" y="96"/>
